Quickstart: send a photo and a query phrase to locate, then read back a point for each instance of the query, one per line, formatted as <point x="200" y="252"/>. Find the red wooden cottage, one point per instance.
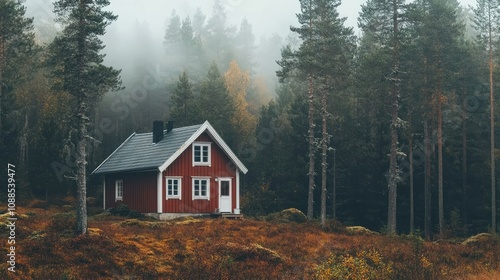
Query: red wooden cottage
<point x="173" y="172"/>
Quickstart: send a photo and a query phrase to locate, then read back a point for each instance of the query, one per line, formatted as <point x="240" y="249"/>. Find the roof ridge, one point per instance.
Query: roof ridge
<point x="175" y="128"/>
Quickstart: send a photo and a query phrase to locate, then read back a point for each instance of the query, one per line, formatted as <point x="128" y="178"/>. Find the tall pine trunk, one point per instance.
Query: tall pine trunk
<point x="324" y="149"/>
<point x="440" y="158"/>
<point x="427" y="185"/>
<point x="492" y="138"/>
<point x="464" y="160"/>
<point x="393" y="168"/>
<point x="2" y="65"/>
<point x="334" y="180"/>
<point x="81" y="162"/>
<point x="412" y="199"/>
<point x="81" y="147"/>
<point x="312" y="144"/>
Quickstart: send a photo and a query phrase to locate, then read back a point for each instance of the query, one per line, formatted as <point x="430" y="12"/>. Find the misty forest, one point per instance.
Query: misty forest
<point x="390" y="125"/>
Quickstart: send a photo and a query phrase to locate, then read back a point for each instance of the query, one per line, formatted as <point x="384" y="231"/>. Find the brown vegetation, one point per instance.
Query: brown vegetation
<point x="123" y="248"/>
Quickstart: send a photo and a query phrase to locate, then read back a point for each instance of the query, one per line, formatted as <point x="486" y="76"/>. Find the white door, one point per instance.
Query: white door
<point x="225" y="195"/>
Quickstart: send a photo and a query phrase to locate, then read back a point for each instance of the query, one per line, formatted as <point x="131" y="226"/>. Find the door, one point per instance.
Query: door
<point x="225" y="195"/>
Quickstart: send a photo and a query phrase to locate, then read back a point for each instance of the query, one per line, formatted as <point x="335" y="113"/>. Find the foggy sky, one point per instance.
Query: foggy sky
<point x="266" y="17"/>
<point x="149" y="19"/>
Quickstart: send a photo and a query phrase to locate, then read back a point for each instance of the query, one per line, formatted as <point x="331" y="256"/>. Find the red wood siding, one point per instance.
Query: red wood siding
<point x="139" y="191"/>
<point x="221" y="166"/>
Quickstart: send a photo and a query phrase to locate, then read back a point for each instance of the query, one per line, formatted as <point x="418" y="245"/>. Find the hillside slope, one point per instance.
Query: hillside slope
<point x="121" y="248"/>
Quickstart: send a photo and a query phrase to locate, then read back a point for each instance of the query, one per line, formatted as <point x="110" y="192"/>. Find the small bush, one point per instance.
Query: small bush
<point x="359" y="230"/>
<point x="135" y="214"/>
<point x="288" y="215"/>
<point x="63" y="222"/>
<point x="366" y="265"/>
<point x="121" y="210"/>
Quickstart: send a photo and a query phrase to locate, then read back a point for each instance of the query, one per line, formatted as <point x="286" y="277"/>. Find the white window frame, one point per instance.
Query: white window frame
<point x="179" y="188"/>
<point x="118" y="187"/>
<point x="199" y="196"/>
<point x="209" y="150"/>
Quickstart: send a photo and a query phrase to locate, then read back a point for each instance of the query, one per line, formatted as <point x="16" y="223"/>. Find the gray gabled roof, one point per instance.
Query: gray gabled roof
<point x="138" y="153"/>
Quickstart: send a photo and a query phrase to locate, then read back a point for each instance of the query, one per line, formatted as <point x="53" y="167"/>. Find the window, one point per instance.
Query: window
<point x="118" y="190"/>
<point x="201" y="188"/>
<point x="173" y="188"/>
<point x="201" y="154"/>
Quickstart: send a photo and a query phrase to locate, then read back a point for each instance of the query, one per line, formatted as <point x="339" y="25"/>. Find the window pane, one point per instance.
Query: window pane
<point x="205" y="153"/>
<point x="224" y="188"/>
<point x="197" y="153"/>
<point x="173" y="186"/>
<point x="196" y="187"/>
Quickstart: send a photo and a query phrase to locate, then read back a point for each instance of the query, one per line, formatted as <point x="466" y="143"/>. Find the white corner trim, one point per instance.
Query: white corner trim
<point x="104" y="192"/>
<point x="237" y="210"/>
<point x="159" y="187"/>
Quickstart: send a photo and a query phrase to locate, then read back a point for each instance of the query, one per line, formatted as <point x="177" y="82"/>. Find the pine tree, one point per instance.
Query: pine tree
<point x="438" y="38"/>
<point x="16" y="49"/>
<point x="219" y="37"/>
<point x="245" y="46"/>
<point x="215" y="105"/>
<point x="173" y="32"/>
<point x="381" y="21"/>
<point x="487" y="23"/>
<point x="184" y="111"/>
<point x="77" y="69"/>
<point x="324" y="58"/>
<point x="305" y="63"/>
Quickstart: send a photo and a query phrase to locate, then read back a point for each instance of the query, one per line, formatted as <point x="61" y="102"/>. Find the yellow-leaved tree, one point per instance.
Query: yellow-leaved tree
<point x="237" y="82"/>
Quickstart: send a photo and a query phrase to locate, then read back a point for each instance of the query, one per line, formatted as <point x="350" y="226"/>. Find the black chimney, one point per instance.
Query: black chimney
<point x="170" y="126"/>
<point x="157" y="131"/>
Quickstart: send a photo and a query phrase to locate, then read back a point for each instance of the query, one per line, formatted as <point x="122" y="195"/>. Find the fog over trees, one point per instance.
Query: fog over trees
<point x="396" y="96"/>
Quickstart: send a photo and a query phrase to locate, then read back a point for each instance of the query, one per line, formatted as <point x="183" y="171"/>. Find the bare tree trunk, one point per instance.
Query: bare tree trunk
<point x="464" y="162"/>
<point x="492" y="146"/>
<point x="310" y="200"/>
<point x="334" y="195"/>
<point x="81" y="144"/>
<point x="427" y="186"/>
<point x="81" y="179"/>
<point x="324" y="146"/>
<point x="440" y="160"/>
<point x="412" y="199"/>
<point x="393" y="168"/>
<point x="492" y="126"/>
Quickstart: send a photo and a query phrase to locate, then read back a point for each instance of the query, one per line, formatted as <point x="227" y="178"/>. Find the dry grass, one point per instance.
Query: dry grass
<point x="120" y="248"/>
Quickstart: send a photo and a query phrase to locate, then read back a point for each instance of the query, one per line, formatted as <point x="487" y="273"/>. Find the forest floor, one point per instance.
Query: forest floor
<point x="205" y="248"/>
